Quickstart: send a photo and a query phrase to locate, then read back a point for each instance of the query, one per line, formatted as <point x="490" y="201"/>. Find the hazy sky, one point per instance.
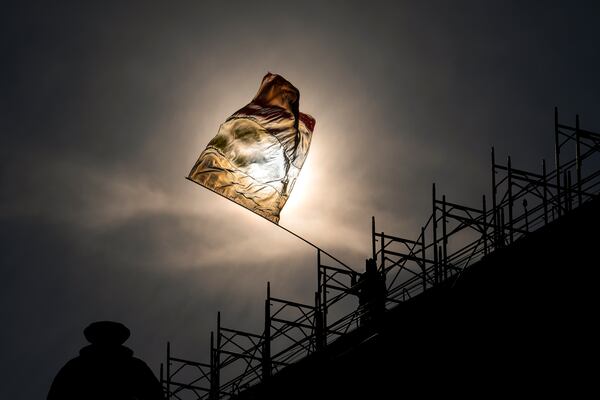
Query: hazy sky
<point x="104" y="109"/>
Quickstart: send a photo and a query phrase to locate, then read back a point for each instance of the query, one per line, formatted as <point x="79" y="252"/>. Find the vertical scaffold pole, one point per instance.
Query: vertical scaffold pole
<point x="557" y="162"/>
<point x="382" y="254"/>
<point x="213" y="375"/>
<point x="266" y="356"/>
<point x="168" y="370"/>
<point x="439" y="250"/>
<point x="484" y="221"/>
<point x="323" y="291"/>
<point x="578" y="159"/>
<point x="565" y="192"/>
<point x="217" y="351"/>
<point x="502" y="233"/>
<point x="495" y="216"/>
<point x="545" y="196"/>
<point x="319" y="331"/>
<point x="373" y="239"/>
<point x="424" y="264"/>
<point x="510" y="201"/>
<point x="569" y="191"/>
<point x="444" y="239"/>
<point x="434" y="228"/>
<point x="319" y="277"/>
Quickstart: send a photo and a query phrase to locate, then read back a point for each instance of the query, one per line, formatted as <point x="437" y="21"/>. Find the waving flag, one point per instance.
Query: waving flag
<point x="258" y="152"/>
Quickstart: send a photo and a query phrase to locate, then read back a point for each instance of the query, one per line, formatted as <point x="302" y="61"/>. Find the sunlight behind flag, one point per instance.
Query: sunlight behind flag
<point x="258" y="152"/>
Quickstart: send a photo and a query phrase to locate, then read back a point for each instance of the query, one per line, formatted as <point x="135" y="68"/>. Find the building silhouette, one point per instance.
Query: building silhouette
<point x="494" y="299"/>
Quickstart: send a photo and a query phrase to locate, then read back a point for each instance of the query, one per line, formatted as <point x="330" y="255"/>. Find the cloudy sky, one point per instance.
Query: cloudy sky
<point x="105" y="108"/>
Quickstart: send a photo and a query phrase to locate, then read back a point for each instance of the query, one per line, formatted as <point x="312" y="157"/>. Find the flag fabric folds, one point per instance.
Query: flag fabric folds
<point x="258" y="152"/>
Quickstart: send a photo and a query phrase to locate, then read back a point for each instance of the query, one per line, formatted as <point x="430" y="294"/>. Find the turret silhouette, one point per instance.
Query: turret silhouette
<point x="105" y="369"/>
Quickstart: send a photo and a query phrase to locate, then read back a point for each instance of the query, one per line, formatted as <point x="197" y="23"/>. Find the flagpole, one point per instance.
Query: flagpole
<point x="309" y="243"/>
<point x="279" y="226"/>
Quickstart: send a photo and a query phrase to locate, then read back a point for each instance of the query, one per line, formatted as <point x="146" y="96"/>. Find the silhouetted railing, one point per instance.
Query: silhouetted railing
<point x="521" y="202"/>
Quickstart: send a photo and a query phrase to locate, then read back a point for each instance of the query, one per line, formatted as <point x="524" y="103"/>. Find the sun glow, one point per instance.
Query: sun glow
<point x="302" y="194"/>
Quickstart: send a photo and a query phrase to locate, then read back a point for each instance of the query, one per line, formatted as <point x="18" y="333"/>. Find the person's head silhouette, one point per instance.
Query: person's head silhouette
<point x="105" y="369"/>
<point x="371" y="267"/>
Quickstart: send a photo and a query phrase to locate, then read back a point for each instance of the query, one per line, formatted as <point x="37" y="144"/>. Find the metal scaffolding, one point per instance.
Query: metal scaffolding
<point x="521" y="202"/>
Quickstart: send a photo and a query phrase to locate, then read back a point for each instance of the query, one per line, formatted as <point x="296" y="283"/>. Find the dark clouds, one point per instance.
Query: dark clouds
<point x="104" y="108"/>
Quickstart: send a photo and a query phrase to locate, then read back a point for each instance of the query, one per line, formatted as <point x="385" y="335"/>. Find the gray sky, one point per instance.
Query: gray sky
<point x="104" y="109"/>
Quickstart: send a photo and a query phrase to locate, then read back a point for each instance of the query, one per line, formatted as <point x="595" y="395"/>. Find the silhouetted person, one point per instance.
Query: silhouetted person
<point x="106" y="369"/>
<point x="371" y="292"/>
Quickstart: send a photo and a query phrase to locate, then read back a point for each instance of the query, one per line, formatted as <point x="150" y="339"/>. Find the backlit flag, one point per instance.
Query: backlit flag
<point x="258" y="152"/>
